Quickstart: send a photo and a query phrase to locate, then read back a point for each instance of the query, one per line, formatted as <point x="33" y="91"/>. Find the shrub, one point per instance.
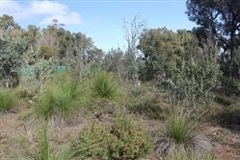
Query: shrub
<point x="47" y="51"/>
<point x="6" y="99"/>
<point x="124" y="139"/>
<point x="11" y="59"/>
<point x="146" y="101"/>
<point x="192" y="84"/>
<point x="104" y="85"/>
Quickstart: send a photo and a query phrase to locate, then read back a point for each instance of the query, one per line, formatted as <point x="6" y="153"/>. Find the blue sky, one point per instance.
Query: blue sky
<point x="100" y="20"/>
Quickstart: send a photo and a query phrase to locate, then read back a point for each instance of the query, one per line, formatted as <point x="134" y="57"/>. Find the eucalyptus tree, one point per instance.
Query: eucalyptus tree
<point x="221" y="19"/>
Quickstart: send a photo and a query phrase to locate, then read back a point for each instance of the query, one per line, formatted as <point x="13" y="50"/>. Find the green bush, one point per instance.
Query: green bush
<point x="6" y="99"/>
<point x="104" y="85"/>
<point x="191" y="83"/>
<point x="124" y="139"/>
<point x="47" y="51"/>
<point x="147" y="101"/>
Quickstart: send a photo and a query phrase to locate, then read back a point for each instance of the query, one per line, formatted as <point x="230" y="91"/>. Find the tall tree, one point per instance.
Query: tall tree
<point x="132" y="30"/>
<point x="221" y="18"/>
<point x="163" y="49"/>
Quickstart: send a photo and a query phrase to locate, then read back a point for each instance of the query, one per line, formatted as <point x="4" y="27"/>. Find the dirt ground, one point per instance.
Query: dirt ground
<point x="16" y="133"/>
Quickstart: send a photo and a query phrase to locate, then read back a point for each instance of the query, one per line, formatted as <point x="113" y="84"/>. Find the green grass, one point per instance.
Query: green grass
<point x="61" y="96"/>
<point x="6" y="99"/>
<point x="182" y="128"/>
<point x="104" y="85"/>
<point x="45" y="104"/>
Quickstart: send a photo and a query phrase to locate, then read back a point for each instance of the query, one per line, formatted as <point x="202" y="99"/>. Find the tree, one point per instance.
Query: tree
<point x="164" y="49"/>
<point x="12" y="48"/>
<point x="113" y="62"/>
<point x="132" y="31"/>
<point x="11" y="59"/>
<point x="7" y="22"/>
<point x="32" y="34"/>
<point x="220" y="18"/>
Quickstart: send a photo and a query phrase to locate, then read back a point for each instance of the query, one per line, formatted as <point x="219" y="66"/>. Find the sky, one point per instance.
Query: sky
<point x="102" y="20"/>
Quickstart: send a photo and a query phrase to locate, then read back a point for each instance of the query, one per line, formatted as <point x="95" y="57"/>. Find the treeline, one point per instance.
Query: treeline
<point x="212" y="47"/>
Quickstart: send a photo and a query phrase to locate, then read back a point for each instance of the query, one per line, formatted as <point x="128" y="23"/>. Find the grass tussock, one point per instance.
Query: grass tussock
<point x="182" y="129"/>
<point x="7" y="99"/>
<point x="62" y="95"/>
<point x="44" y="151"/>
<point x="104" y="85"/>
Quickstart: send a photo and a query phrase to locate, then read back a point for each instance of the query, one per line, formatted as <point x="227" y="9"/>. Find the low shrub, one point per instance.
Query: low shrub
<point x="147" y="101"/>
<point x="124" y="139"/>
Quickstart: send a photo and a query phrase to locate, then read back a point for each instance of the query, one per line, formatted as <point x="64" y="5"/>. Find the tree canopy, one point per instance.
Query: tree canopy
<point x="221" y="21"/>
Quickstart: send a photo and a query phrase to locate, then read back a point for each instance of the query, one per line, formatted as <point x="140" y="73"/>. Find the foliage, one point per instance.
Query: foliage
<point x="104" y="85"/>
<point x="61" y="95"/>
<point x="113" y="62"/>
<point x="11" y="60"/>
<point x="147" y="101"/>
<point x="32" y="83"/>
<point x="6" y="99"/>
<point x="7" y="22"/>
<point x="124" y="139"/>
<point x="224" y="100"/>
<point x="162" y="49"/>
<point x="181" y="128"/>
<point x="220" y="21"/>
<point x="192" y="83"/>
<point x="47" y="51"/>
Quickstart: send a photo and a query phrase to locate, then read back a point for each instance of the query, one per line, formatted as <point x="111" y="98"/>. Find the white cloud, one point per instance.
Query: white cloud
<point x="15" y="9"/>
<point x="71" y="18"/>
<point x="47" y="9"/>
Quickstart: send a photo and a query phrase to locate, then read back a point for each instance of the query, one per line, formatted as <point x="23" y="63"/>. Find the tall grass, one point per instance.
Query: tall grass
<point x="62" y="95"/>
<point x="44" y="151"/>
<point x="104" y="85"/>
<point x="183" y="129"/>
<point x="180" y="128"/>
<point x="6" y="99"/>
